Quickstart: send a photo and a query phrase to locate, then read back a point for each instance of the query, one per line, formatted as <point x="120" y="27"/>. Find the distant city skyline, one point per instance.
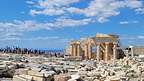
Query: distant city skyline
<point x="51" y="24"/>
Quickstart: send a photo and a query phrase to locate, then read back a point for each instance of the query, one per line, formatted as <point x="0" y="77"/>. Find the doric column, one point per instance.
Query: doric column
<point x="74" y="50"/>
<point x="98" y="51"/>
<point x="78" y="50"/>
<point x="86" y="51"/>
<point x="89" y="51"/>
<point x="114" y="51"/>
<point x="132" y="51"/>
<point x="106" y="51"/>
<point x="71" y="50"/>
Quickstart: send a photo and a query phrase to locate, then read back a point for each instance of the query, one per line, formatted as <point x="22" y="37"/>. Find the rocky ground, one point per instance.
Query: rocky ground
<point x="5" y="79"/>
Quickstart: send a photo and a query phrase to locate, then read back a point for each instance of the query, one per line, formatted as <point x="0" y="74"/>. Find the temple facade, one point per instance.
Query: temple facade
<point x="101" y="47"/>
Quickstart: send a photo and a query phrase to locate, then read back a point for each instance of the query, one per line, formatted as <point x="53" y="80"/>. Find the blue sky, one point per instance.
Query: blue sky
<point x="51" y="24"/>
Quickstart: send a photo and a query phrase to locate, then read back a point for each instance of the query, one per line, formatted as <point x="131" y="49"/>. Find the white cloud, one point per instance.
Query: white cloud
<point x="103" y="9"/>
<point x="55" y="3"/>
<point x="12" y="30"/>
<point x="140" y="10"/>
<point x="102" y="20"/>
<point x="49" y="12"/>
<point x="62" y="22"/>
<point x="52" y="7"/>
<point x="98" y="10"/>
<point x="140" y="37"/>
<point x="124" y="22"/>
<point x="30" y="2"/>
<point x="128" y="22"/>
<point x="134" y="3"/>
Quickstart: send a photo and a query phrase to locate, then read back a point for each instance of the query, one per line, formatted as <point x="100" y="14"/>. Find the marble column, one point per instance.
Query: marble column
<point x="74" y="50"/>
<point x="71" y="50"/>
<point x="86" y="51"/>
<point x="106" y="51"/>
<point x="132" y="51"/>
<point x="98" y="52"/>
<point x="114" y="51"/>
<point x="78" y="50"/>
<point x="76" y="53"/>
<point x="89" y="51"/>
